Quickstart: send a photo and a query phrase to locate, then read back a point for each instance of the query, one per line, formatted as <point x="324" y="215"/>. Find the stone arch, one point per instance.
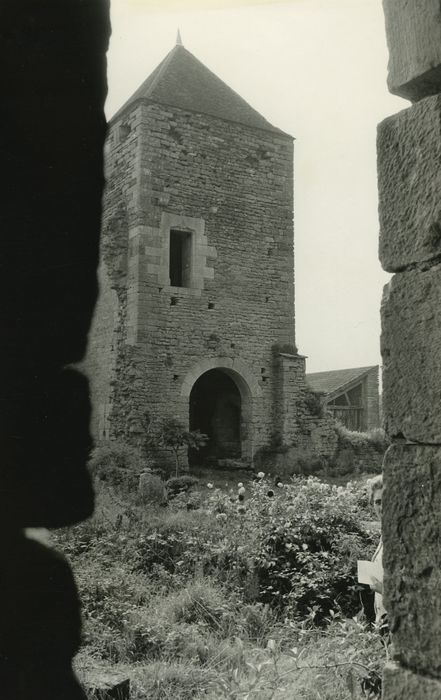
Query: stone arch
<point x="247" y="387"/>
<point x="238" y="370"/>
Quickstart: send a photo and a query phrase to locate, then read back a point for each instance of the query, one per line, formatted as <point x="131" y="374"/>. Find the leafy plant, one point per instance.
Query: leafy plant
<point x="375" y="438"/>
<point x="173" y="436"/>
<point x="180" y="484"/>
<point x="116" y="463"/>
<point x="152" y="489"/>
<point x="314" y="404"/>
<point x="236" y="599"/>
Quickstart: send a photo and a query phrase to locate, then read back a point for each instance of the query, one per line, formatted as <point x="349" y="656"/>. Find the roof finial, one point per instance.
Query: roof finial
<point x="178" y="39"/>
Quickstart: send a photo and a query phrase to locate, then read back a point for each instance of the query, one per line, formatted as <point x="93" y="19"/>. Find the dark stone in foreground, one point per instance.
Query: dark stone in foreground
<point x="40" y="628"/>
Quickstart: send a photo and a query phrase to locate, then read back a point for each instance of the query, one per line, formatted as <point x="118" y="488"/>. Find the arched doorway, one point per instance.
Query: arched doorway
<point x="216" y="409"/>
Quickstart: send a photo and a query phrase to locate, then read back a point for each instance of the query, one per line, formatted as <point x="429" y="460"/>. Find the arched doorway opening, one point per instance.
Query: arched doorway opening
<point x="219" y="407"/>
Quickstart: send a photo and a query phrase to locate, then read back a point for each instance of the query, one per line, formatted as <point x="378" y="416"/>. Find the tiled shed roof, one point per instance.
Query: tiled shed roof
<point x="332" y="381"/>
<point x="181" y="80"/>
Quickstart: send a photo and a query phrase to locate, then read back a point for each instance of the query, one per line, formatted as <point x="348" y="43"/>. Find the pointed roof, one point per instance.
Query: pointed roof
<point x="182" y="81"/>
<point x="336" y="380"/>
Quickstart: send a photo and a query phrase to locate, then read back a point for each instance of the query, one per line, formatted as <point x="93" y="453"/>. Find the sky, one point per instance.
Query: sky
<point x="316" y="69"/>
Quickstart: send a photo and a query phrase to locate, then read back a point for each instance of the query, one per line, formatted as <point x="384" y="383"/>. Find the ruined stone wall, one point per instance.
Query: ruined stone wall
<point x="100" y="363"/>
<point x="372" y="399"/>
<point x="409" y="147"/>
<point x="304" y="425"/>
<point x="302" y="429"/>
<point x="366" y="460"/>
<point x="232" y="186"/>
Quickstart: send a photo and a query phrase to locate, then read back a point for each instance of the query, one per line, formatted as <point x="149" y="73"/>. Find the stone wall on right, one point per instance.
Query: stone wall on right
<point x="409" y="177"/>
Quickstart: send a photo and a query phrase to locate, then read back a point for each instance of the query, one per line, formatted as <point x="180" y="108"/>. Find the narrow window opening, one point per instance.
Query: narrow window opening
<point x="210" y="305"/>
<point x="180" y="258"/>
<point x="173" y="301"/>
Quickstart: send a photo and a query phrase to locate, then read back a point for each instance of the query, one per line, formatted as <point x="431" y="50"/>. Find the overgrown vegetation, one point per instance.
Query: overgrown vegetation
<point x="216" y="597"/>
<point x="171" y="435"/>
<point x="356" y="452"/>
<point x="314" y="404"/>
<point x="375" y="438"/>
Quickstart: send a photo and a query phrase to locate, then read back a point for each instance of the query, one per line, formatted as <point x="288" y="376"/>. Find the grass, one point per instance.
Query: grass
<point x="180" y="633"/>
<point x="318" y="668"/>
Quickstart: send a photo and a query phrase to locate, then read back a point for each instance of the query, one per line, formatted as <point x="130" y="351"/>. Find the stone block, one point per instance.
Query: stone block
<point x="411" y="350"/>
<point x="412" y="554"/>
<point x="401" y="684"/>
<point x="409" y="183"/>
<point x="107" y="685"/>
<point x="413" y="31"/>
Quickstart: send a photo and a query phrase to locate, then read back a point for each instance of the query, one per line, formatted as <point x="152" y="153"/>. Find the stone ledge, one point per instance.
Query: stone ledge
<point x="107" y="685"/>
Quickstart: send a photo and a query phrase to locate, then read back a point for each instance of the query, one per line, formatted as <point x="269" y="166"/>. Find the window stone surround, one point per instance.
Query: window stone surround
<point x="158" y="255"/>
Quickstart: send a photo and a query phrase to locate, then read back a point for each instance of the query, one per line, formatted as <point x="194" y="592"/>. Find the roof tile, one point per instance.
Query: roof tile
<point x="182" y="81"/>
<point x="328" y="382"/>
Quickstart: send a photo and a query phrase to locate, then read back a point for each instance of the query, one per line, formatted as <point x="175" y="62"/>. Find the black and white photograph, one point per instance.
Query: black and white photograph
<point x="221" y="350"/>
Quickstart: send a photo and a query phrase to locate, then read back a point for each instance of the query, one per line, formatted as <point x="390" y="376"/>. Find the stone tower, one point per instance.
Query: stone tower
<point x="196" y="313"/>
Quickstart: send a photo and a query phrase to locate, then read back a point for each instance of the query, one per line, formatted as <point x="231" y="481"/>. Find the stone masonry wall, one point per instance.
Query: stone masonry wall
<point x="233" y="187"/>
<point x="302" y="429"/>
<point x="100" y="364"/>
<point x="368" y="460"/>
<point x="409" y="145"/>
<point x="303" y="426"/>
<point x="372" y="400"/>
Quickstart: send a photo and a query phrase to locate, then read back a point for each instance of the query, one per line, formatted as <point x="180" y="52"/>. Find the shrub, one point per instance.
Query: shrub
<point x="152" y="489"/>
<point x="116" y="463"/>
<point x="172" y="435"/>
<point x="378" y="439"/>
<point x="301" y="541"/>
<point x="314" y="404"/>
<point x="308" y="464"/>
<point x="357" y="451"/>
<point x="178" y="484"/>
<point x="375" y="438"/>
<point x="308" y="552"/>
<point x="176" y="542"/>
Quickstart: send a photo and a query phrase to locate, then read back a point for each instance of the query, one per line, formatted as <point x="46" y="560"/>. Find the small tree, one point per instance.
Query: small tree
<point x="173" y="436"/>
